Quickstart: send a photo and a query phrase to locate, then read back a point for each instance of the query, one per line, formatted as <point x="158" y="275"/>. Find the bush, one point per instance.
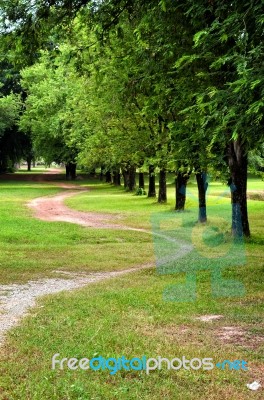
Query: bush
<point x="140" y="192"/>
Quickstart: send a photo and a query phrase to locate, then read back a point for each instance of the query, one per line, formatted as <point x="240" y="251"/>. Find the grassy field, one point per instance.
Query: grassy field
<point x="128" y="316"/>
<point x="32" y="249"/>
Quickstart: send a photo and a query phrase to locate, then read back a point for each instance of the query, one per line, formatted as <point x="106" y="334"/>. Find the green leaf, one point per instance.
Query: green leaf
<point x="224" y="38"/>
<point x="162" y="4"/>
<point x="255" y="83"/>
<point x="197" y="37"/>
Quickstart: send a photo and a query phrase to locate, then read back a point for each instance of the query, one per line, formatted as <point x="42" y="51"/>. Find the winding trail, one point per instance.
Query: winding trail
<point x="52" y="208"/>
<point x="17" y="299"/>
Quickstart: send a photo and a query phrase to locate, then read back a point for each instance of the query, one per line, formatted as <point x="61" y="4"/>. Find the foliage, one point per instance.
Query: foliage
<point x="256" y="161"/>
<point x="47" y="89"/>
<point x="125" y="84"/>
<point x="140" y="192"/>
<point x="229" y="54"/>
<point x="10" y="106"/>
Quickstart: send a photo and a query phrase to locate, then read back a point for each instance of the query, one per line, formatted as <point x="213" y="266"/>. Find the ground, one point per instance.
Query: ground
<point x="127" y="314"/>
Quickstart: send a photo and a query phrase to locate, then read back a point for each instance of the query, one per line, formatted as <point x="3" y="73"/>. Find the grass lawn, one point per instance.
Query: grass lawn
<point x="128" y="316"/>
<point x="32" y="249"/>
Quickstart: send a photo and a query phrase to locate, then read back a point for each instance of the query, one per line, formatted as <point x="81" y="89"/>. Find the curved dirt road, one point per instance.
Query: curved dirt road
<point x="16" y="299"/>
<point x="52" y="208"/>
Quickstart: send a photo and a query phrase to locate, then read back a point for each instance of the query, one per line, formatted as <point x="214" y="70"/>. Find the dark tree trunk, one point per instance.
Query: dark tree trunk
<point x="101" y="174"/>
<point x="141" y="183"/>
<point x="162" y="198"/>
<point x="71" y="171"/>
<point x="132" y="178"/>
<point x="152" y="187"/>
<point x="202" y="188"/>
<point x="117" y="177"/>
<point x="108" y="177"/>
<point x="237" y="161"/>
<point x="180" y="187"/>
<point x="3" y="164"/>
<point x="67" y="171"/>
<point x="126" y="177"/>
<point x="129" y="174"/>
<point x="29" y="159"/>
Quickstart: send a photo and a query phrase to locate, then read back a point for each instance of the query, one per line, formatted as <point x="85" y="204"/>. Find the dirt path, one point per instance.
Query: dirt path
<point x="16" y="299"/>
<point x="53" y="209"/>
<point x="54" y="171"/>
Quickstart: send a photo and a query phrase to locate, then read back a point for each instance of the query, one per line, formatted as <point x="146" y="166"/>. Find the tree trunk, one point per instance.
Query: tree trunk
<point x="3" y="164"/>
<point x="237" y="161"/>
<point x="180" y="186"/>
<point x="152" y="187"/>
<point x="67" y="171"/>
<point x="73" y="171"/>
<point x="117" y="177"/>
<point x="70" y="171"/>
<point x="162" y="198"/>
<point x="29" y="159"/>
<point x="202" y="188"/>
<point x="108" y="177"/>
<point x="132" y="178"/>
<point x="141" y="183"/>
<point x="34" y="162"/>
<point x="129" y="174"/>
<point x="101" y="174"/>
<point x="126" y="177"/>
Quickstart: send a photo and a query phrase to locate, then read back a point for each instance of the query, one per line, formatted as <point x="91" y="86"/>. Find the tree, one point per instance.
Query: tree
<point x="45" y="116"/>
<point x="229" y="53"/>
<point x="9" y="111"/>
<point x="10" y="149"/>
<point x="14" y="144"/>
<point x="256" y="160"/>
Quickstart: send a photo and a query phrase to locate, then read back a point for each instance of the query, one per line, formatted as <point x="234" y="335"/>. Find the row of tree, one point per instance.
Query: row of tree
<point x="126" y="85"/>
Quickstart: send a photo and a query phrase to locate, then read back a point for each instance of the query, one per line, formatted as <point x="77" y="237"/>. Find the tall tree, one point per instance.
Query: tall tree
<point x="229" y="51"/>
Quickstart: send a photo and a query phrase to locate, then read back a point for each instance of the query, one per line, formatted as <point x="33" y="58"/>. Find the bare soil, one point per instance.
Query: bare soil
<point x="52" y="208"/>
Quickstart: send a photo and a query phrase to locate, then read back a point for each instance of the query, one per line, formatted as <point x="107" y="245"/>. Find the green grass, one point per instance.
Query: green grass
<point x="126" y="315"/>
<point x="136" y="210"/>
<point x="31" y="248"/>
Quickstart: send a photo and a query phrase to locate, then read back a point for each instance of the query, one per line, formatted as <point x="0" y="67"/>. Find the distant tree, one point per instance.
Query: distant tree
<point x="45" y="114"/>
<point x="10" y="146"/>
